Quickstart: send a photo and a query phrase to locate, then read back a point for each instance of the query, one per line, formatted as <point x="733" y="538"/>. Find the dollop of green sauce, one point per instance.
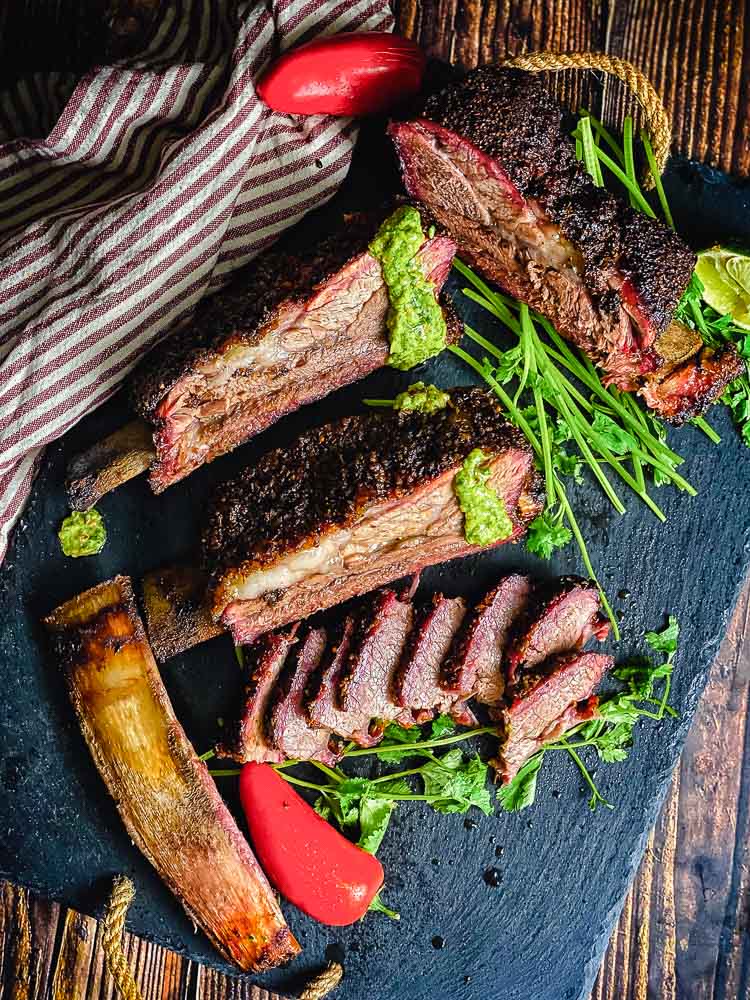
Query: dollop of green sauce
<point x="82" y="534"/>
<point x="485" y="517"/>
<point x="425" y="398"/>
<point x="416" y="325"/>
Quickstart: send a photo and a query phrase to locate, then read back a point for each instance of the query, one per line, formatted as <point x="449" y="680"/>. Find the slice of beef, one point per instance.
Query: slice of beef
<point x="354" y="505"/>
<point x="690" y="387"/>
<point x="553" y="700"/>
<point x="475" y="665"/>
<point x="491" y="161"/>
<point x="321" y="697"/>
<point x="365" y="684"/>
<point x="290" y="329"/>
<point x="287" y="726"/>
<point x="417" y="681"/>
<point x="263" y="663"/>
<point x="563" y="617"/>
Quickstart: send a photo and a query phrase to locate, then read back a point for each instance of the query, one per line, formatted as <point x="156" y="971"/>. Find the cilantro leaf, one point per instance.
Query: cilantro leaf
<point x="546" y="534"/>
<point x="460" y="784"/>
<point x="612" y="435"/>
<point x="666" y="640"/>
<point x="520" y="793"/>
<point x="441" y="726"/>
<point x="395" y="734"/>
<point x="374" y="817"/>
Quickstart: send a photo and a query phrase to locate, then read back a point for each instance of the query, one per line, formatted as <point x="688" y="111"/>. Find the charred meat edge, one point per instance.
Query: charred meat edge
<point x="366" y="468"/>
<point x="176" y="612"/>
<point x="321" y="695"/>
<point x="263" y="662"/>
<point x="551" y="701"/>
<point x="416" y="683"/>
<point x="564" y="615"/>
<point x="475" y="663"/>
<point x="287" y="726"/>
<point x="163" y="791"/>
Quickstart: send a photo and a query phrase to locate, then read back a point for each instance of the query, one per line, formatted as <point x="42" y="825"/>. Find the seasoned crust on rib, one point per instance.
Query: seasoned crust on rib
<point x="539" y="158"/>
<point x="240" y="312"/>
<point x="292" y="495"/>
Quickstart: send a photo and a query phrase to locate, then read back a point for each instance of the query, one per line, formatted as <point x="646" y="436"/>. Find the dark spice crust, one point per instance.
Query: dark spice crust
<point x="240" y="311"/>
<point x="294" y="494"/>
<point x="508" y="115"/>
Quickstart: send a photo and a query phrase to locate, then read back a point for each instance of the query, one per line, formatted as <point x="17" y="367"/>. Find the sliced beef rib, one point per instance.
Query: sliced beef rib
<point x="291" y="328"/>
<point x="354" y="505"/>
<point x="563" y="617"/>
<point x="264" y="660"/>
<point x="475" y="664"/>
<point x="552" y="700"/>
<point x="417" y="681"/>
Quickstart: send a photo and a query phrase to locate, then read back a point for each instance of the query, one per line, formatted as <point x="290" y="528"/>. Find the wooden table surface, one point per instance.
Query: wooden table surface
<point x="684" y="927"/>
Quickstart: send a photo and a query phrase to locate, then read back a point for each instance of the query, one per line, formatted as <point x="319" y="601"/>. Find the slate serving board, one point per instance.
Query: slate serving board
<point x="563" y="871"/>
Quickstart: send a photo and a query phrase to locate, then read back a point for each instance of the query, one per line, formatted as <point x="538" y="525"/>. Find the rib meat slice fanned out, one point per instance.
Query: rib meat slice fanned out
<point x="552" y="700"/>
<point x="167" y="799"/>
<point x="491" y="162"/>
<point x="365" y="683"/>
<point x="288" y="728"/>
<point x="417" y="681"/>
<point x="354" y="505"/>
<point x="264" y="660"/>
<point x="561" y="618"/>
<point x="289" y="330"/>
<point x="322" y="699"/>
<point x="475" y="665"/>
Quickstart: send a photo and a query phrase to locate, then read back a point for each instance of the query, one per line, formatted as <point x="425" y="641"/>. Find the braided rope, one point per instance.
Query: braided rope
<point x="322" y="984"/>
<point x="123" y="893"/>
<point x="657" y="120"/>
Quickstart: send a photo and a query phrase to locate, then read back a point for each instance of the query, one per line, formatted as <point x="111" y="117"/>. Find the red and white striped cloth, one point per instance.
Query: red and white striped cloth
<point x="159" y="178"/>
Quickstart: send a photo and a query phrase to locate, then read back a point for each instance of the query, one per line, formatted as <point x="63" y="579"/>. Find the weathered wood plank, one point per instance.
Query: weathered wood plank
<point x="687" y="934"/>
<point x="696" y="52"/>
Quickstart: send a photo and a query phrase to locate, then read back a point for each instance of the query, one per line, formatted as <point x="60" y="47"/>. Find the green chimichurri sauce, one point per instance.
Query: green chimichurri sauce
<point x="485" y="518"/>
<point x="425" y="398"/>
<point x="416" y="326"/>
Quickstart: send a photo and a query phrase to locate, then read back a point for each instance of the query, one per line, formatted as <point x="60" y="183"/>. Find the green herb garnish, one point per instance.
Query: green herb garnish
<point x="82" y="534"/>
<point x="418" y="396"/>
<point x="416" y="325"/>
<point x="485" y="517"/>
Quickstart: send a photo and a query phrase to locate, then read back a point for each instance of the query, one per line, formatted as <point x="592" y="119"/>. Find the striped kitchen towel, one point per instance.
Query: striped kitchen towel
<point x="158" y="177"/>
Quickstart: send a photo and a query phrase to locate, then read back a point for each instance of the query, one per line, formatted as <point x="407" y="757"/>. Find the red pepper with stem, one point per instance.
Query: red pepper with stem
<point x="353" y="74"/>
<point x="305" y="858"/>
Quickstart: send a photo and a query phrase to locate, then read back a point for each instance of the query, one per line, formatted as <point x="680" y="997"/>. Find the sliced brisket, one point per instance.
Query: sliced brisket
<point x="551" y="701"/>
<point x="290" y="329"/>
<point x="264" y="660"/>
<point x="417" y="681"/>
<point x="365" y="684"/>
<point x="321" y="697"/>
<point x="288" y="728"/>
<point x="353" y="505"/>
<point x="491" y="162"/>
<point x="475" y="665"/>
<point x="563" y="617"/>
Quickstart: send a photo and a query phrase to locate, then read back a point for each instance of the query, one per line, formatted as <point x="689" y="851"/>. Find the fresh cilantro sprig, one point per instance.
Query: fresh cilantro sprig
<point x="645" y="695"/>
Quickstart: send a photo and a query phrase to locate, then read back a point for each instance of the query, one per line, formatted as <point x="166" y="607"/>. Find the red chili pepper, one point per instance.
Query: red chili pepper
<point x="304" y="857"/>
<point x="347" y="74"/>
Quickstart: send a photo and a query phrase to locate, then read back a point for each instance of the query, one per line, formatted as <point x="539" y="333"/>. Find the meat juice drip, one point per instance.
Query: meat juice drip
<point x="438" y="942"/>
<point x="493" y="877"/>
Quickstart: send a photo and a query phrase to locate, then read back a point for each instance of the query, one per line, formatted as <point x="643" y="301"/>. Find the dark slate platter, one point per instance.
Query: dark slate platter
<point x="564" y="872"/>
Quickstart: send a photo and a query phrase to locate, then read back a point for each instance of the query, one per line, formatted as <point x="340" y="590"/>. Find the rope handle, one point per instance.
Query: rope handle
<point x="657" y="120"/>
<point x="122" y="895"/>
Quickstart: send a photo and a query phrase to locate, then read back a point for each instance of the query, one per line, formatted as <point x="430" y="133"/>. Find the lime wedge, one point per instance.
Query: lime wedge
<point x="725" y="275"/>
